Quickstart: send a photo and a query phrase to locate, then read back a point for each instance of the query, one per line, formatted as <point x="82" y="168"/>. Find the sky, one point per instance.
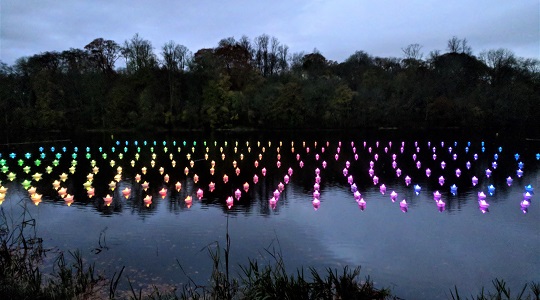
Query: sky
<point x="336" y="28"/>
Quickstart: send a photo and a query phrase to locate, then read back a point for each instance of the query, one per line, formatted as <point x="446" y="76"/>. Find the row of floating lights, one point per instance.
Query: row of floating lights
<point x="273" y="201"/>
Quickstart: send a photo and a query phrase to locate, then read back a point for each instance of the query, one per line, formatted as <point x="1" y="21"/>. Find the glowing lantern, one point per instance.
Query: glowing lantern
<point x="237" y="194"/>
<point x="56" y="184"/>
<point x="68" y="199"/>
<point x="199" y="194"/>
<point x="276" y="194"/>
<point x="453" y="189"/>
<point x="163" y="193"/>
<point x="126" y="192"/>
<point x="36" y="198"/>
<point x="230" y="202"/>
<point x="441" y="205"/>
<point x="225" y="178"/>
<point x="62" y="192"/>
<point x="441" y="180"/>
<point x="211" y="186"/>
<point x="147" y="200"/>
<point x="145" y="185"/>
<point x="37" y="176"/>
<point x="112" y="185"/>
<point x="393" y="196"/>
<point x="246" y="187"/>
<point x="255" y="179"/>
<point x="63" y="177"/>
<point x="403" y="205"/>
<point x="87" y="184"/>
<point x="90" y="192"/>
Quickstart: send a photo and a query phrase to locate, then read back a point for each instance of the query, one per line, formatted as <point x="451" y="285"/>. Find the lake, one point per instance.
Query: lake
<point x="420" y="249"/>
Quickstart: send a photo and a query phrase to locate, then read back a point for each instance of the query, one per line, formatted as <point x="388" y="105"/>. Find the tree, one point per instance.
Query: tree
<point x="217" y="104"/>
<point x="139" y="54"/>
<point x="314" y="64"/>
<point x="413" y="52"/>
<point x="502" y="64"/>
<point x="289" y="109"/>
<point x="455" y="45"/>
<point x="176" y="58"/>
<point x="270" y="56"/>
<point x="235" y="62"/>
<point x="103" y="54"/>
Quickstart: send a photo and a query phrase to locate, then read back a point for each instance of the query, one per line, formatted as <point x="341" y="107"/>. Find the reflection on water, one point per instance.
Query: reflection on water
<point x="419" y="215"/>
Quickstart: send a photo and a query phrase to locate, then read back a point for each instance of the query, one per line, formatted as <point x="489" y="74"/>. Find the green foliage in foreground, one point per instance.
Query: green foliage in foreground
<point x="22" y="259"/>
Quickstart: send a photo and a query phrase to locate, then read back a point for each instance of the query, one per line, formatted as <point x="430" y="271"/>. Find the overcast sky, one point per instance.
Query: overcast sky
<point x="337" y="28"/>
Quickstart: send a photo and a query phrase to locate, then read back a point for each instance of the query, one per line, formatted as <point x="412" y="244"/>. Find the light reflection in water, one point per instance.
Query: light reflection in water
<point x="170" y="202"/>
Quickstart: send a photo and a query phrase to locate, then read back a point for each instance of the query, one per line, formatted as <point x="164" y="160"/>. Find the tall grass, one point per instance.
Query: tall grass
<point x="21" y="260"/>
<point x="502" y="291"/>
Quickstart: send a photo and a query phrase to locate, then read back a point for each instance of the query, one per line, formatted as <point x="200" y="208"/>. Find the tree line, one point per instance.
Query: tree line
<point x="258" y="83"/>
